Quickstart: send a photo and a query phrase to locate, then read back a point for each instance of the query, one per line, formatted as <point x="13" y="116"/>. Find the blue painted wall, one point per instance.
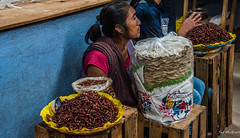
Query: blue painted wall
<point x="38" y="63"/>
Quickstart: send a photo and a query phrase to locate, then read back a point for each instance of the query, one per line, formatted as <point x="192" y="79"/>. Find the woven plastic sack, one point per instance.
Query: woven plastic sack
<point x="48" y="110"/>
<point x="103" y="87"/>
<point x="163" y="72"/>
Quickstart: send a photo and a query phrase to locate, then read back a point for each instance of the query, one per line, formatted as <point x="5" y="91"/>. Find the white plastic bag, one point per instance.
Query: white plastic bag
<point x="9" y="3"/>
<point x="217" y="19"/>
<point x="164" y="25"/>
<point x="163" y="72"/>
<point x="102" y="87"/>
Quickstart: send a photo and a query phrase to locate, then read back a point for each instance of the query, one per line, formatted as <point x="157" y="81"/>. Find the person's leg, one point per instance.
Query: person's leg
<point x="209" y="108"/>
<point x="197" y="98"/>
<point x="199" y="86"/>
<point x="198" y="91"/>
<point x="146" y="132"/>
<point x="209" y="96"/>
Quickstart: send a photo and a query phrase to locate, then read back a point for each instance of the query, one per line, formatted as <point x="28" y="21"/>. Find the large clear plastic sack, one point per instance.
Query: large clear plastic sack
<point x="163" y="73"/>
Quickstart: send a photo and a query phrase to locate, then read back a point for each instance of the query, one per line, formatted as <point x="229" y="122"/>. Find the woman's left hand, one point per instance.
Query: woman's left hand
<point x="189" y="24"/>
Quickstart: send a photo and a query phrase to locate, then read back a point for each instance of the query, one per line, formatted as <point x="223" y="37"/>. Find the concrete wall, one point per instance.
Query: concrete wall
<point x="38" y="63"/>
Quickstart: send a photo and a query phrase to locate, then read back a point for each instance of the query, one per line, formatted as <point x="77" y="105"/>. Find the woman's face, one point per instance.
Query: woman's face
<point x="133" y="24"/>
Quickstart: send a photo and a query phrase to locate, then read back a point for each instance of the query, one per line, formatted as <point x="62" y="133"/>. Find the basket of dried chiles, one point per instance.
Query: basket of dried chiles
<point x="209" y="36"/>
<point x="84" y="113"/>
<point x="98" y="84"/>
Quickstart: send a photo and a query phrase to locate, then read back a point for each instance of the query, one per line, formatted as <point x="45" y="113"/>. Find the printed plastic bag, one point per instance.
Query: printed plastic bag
<point x="98" y="84"/>
<point x="163" y="72"/>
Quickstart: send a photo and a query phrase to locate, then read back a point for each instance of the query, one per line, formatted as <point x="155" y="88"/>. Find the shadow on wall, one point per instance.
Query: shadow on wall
<point x="71" y="63"/>
<point x="74" y="47"/>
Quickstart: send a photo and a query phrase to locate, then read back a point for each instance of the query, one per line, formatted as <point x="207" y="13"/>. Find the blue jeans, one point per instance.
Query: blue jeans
<point x="198" y="91"/>
<point x="209" y="107"/>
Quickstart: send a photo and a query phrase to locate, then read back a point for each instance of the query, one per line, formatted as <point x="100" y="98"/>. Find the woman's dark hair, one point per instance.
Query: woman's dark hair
<point x="134" y="3"/>
<point x="112" y="14"/>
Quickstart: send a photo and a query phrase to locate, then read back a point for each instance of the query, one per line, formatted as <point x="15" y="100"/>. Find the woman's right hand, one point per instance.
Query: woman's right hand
<point x="188" y="24"/>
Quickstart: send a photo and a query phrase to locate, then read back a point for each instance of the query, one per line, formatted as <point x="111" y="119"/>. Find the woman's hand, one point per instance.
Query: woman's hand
<point x="189" y="24"/>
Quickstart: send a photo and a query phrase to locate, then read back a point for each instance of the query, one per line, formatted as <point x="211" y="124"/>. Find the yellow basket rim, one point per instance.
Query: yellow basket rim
<point x="48" y="110"/>
<point x="215" y="44"/>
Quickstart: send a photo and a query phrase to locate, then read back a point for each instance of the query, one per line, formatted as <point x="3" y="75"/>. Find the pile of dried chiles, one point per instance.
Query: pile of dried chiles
<point x="89" y="109"/>
<point x="208" y="33"/>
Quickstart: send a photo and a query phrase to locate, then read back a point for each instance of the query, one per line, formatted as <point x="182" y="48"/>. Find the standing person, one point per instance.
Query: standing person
<point x="108" y="55"/>
<point x="157" y="20"/>
<point x="151" y="15"/>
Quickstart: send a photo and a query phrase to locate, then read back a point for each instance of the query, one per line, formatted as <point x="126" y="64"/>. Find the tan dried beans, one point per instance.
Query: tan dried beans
<point x="208" y="33"/>
<point x="88" y="109"/>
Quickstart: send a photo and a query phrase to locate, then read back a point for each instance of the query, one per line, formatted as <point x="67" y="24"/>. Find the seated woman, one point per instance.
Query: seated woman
<point x="108" y="55"/>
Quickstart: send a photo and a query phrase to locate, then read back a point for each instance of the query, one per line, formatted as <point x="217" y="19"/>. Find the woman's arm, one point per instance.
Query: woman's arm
<point x="94" y="71"/>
